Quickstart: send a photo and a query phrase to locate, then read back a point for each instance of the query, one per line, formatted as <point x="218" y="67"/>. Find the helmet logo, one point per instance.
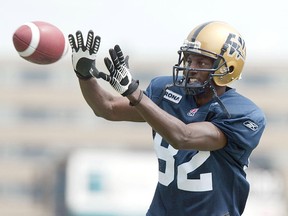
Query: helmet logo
<point x="237" y="47"/>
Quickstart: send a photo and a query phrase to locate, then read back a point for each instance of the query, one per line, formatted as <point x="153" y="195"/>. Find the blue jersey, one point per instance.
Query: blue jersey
<point x="204" y="183"/>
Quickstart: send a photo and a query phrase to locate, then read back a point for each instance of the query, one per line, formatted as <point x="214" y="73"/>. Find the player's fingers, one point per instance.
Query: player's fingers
<point x="114" y="58"/>
<point x="79" y="38"/>
<point x="126" y="60"/>
<point x="72" y="43"/>
<point x="119" y="54"/>
<point x="96" y="44"/>
<point x="104" y="76"/>
<point x="89" y="41"/>
<point x="109" y="66"/>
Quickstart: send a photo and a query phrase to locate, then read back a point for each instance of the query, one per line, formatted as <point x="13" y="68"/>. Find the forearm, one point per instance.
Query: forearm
<point x="106" y="105"/>
<point x="163" y="123"/>
<point x="96" y="97"/>
<point x="199" y="136"/>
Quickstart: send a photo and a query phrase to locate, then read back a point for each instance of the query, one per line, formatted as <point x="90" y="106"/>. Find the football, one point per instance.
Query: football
<point x="40" y="42"/>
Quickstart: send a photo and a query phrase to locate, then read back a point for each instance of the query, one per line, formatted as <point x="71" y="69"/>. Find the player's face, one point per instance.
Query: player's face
<point x="195" y="62"/>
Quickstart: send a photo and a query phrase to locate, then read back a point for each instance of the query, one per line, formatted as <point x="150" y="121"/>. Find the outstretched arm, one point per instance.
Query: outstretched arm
<point x="199" y="136"/>
<point x="106" y="105"/>
<point x="203" y="136"/>
<point x="103" y="103"/>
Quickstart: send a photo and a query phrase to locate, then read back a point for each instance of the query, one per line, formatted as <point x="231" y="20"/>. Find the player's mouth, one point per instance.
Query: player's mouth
<point x="192" y="81"/>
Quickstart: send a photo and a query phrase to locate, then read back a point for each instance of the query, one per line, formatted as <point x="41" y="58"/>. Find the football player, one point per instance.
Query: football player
<point x="203" y="130"/>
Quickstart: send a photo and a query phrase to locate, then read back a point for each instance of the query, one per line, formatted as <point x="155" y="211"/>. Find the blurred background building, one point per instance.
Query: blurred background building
<point x="58" y="159"/>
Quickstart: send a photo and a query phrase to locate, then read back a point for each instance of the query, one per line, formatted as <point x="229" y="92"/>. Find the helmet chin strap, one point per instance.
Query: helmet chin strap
<point x="217" y="99"/>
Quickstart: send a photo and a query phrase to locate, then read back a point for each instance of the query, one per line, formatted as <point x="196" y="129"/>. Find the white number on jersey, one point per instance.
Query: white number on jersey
<point x="204" y="183"/>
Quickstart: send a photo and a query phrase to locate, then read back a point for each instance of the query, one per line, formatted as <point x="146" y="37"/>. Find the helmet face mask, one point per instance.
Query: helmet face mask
<point x="216" y="40"/>
<point x="182" y="75"/>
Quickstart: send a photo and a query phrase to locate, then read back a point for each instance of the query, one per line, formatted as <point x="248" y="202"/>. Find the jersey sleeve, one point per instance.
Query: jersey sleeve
<point x="157" y="87"/>
<point x="243" y="130"/>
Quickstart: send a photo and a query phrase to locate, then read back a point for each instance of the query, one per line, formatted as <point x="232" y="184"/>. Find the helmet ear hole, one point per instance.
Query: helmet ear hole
<point x="231" y="69"/>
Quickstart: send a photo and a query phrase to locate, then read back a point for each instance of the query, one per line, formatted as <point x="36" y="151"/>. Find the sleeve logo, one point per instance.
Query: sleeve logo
<point x="251" y="125"/>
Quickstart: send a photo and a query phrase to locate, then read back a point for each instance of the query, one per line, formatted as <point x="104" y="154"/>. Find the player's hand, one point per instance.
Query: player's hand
<point x="84" y="56"/>
<point x="120" y="77"/>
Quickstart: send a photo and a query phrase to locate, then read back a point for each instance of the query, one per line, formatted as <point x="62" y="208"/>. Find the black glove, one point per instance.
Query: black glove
<point x="120" y="77"/>
<point x="84" y="56"/>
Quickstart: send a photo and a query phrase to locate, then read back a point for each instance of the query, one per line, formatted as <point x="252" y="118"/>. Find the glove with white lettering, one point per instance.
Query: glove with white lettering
<point x="120" y="77"/>
<point x="84" y="56"/>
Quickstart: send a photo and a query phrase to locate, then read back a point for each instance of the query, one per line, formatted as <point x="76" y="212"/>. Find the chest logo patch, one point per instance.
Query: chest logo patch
<point x="251" y="125"/>
<point x="172" y="96"/>
<point x="192" y="112"/>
